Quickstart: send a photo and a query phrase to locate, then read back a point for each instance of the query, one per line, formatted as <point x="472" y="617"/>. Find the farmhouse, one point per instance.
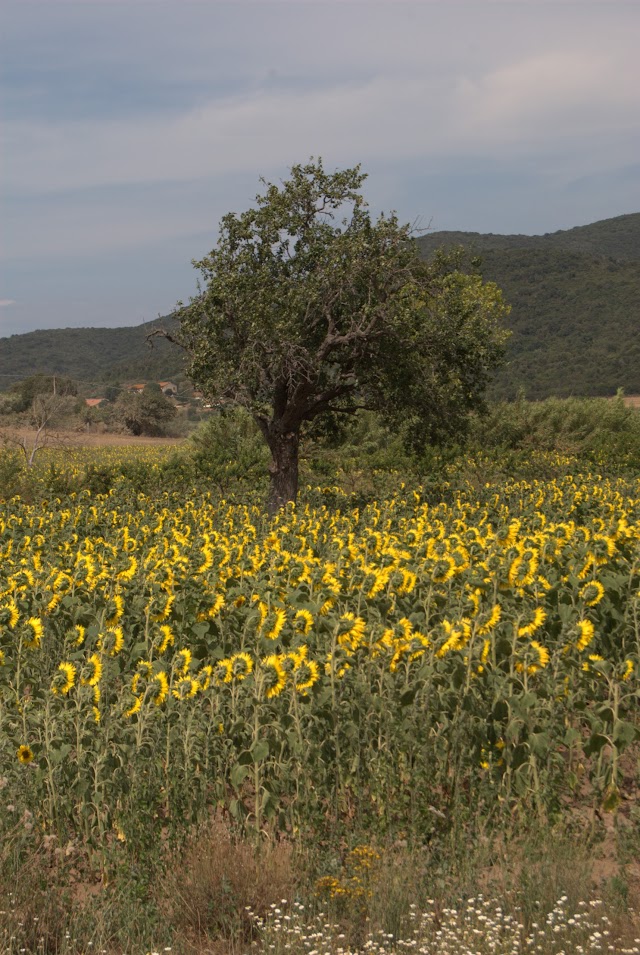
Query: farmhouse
<point x="168" y="387"/>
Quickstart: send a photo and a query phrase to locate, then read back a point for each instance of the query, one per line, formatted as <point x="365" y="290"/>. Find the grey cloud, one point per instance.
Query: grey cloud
<point x="523" y="108"/>
<point x="518" y="115"/>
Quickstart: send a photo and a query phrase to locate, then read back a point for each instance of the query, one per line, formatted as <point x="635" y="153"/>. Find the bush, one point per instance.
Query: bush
<point x="229" y="449"/>
<point x="11" y="474"/>
<point x="595" y="427"/>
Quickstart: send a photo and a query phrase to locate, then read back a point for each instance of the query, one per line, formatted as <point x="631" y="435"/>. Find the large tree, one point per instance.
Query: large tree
<point x="309" y="307"/>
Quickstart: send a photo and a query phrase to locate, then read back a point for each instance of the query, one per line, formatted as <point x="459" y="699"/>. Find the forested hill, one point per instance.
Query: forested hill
<point x="92" y="356"/>
<point x="575" y="318"/>
<point x="575" y="299"/>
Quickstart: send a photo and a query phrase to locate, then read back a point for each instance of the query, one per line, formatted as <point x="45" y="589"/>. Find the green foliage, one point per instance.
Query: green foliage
<point x="607" y="430"/>
<point x="229" y="450"/>
<point x="304" y="314"/>
<point x="575" y="306"/>
<point x="91" y="355"/>
<point x="574" y="318"/>
<point x="11" y="471"/>
<point x="145" y="413"/>
<point x="41" y="386"/>
<point x="319" y="317"/>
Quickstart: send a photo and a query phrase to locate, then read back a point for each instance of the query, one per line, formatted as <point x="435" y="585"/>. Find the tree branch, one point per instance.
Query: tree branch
<point x="163" y="333"/>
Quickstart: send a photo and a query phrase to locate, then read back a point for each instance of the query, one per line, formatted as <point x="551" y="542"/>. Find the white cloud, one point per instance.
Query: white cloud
<point x="476" y="112"/>
<point x="4" y="302"/>
<point x="531" y="105"/>
<point x="570" y="92"/>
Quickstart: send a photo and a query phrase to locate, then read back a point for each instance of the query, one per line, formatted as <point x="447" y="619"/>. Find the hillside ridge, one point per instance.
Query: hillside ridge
<point x="575" y="297"/>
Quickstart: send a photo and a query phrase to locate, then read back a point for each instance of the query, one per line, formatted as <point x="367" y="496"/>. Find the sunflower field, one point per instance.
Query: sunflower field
<point x="403" y="664"/>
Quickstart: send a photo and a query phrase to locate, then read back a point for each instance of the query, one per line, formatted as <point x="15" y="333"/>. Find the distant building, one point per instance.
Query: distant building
<point x="94" y="402"/>
<point x="168" y="387"/>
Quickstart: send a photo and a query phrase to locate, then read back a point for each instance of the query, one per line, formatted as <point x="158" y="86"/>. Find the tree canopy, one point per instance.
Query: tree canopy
<point x="308" y="306"/>
<point x="145" y="413"/>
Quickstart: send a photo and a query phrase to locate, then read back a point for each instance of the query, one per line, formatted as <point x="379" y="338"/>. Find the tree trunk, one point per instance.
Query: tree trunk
<point x="283" y="468"/>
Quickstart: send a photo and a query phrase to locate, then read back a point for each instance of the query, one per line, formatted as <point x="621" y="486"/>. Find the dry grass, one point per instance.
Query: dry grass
<point x="90" y="439"/>
<point x="214" y="882"/>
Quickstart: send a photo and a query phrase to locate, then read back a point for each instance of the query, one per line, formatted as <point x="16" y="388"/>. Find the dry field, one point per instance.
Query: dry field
<point x="88" y="439"/>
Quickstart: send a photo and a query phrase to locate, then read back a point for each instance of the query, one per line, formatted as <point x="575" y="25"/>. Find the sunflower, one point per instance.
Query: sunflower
<point x="91" y="677"/>
<point x="458" y="635"/>
<point x="241" y="665"/>
<point x="507" y="536"/>
<point x="351" y="630"/>
<point x="593" y="658"/>
<point x="444" y="569"/>
<point x="492" y="621"/>
<point x="25" y="754"/>
<point x="523" y="569"/>
<point x="77" y="634"/>
<point x="224" y="671"/>
<point x="204" y="677"/>
<point x="35" y="625"/>
<point x="276" y="675"/>
<point x="144" y="670"/>
<point x="592" y="593"/>
<point x="163" y="687"/>
<point x="542" y="652"/>
<point x="164" y="613"/>
<point x="111" y="641"/>
<point x="215" y="608"/>
<point x="380" y="580"/>
<point x="130" y="572"/>
<point x="305" y="675"/>
<point x="326" y="607"/>
<point x="586" y="631"/>
<point x="279" y="622"/>
<point x="117" y="608"/>
<point x="53" y="603"/>
<point x="134" y="708"/>
<point x="409" y="580"/>
<point x="539" y="617"/>
<point x="303" y="621"/>
<point x="9" y="614"/>
<point x="185" y="688"/>
<point x="186" y="656"/>
<point x="628" y="669"/>
<point x="64" y="680"/>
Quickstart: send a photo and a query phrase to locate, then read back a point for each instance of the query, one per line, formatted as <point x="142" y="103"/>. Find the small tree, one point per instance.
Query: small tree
<point x="44" y="415"/>
<point x="35" y="386"/>
<point x="311" y="308"/>
<point x="145" y="413"/>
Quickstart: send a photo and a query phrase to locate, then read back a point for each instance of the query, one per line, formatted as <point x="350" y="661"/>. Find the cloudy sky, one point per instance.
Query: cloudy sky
<point x="130" y="128"/>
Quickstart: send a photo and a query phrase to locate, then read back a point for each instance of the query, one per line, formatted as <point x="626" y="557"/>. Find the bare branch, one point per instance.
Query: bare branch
<point x="163" y="333"/>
